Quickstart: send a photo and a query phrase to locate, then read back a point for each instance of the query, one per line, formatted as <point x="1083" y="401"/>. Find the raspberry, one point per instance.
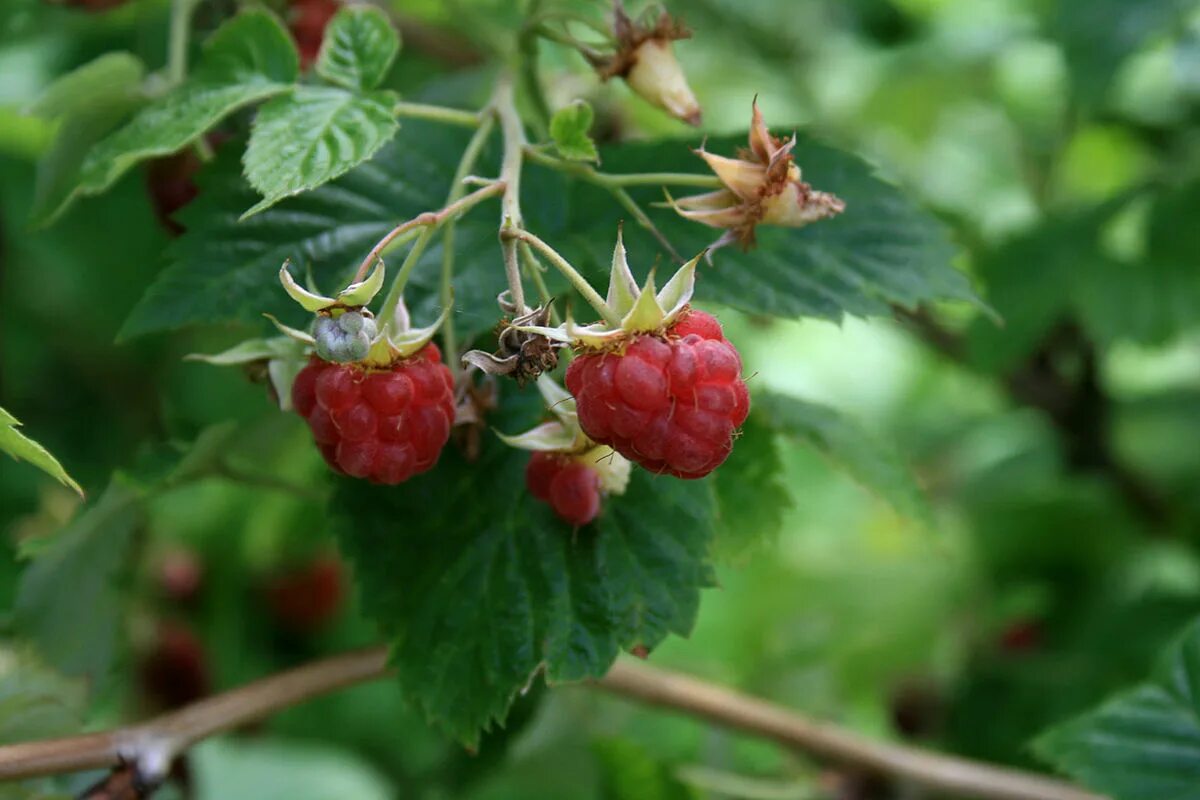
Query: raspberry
<point x="175" y="671"/>
<point x="566" y="484"/>
<point x="306" y="599"/>
<point x="670" y="403"/>
<point x="307" y="22"/>
<point x="382" y="424"/>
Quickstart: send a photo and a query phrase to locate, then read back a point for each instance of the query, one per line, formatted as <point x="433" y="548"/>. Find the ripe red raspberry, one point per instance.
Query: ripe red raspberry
<point x="175" y="671"/>
<point x="383" y="424"/>
<point x="670" y="403"/>
<point x="307" y="598"/>
<point x="307" y="21"/>
<point x="568" y="485"/>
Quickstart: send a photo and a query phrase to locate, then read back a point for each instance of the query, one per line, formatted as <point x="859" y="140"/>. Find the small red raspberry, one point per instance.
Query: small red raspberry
<point x="670" y="403"/>
<point x="307" y="598"/>
<point x="383" y="424"/>
<point x="566" y="484"/>
<point x="307" y="21"/>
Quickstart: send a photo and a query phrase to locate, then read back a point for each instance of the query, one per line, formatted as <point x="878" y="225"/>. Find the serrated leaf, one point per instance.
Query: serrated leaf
<point x="68" y="600"/>
<point x="883" y="249"/>
<point x="751" y="496"/>
<point x="37" y="702"/>
<point x="312" y="136"/>
<point x="569" y="129"/>
<point x="1143" y="744"/>
<point x="479" y="602"/>
<point x="359" y="47"/>
<point x="872" y="462"/>
<point x="223" y="270"/>
<point x="88" y="103"/>
<point x="22" y="448"/>
<point x="248" y="59"/>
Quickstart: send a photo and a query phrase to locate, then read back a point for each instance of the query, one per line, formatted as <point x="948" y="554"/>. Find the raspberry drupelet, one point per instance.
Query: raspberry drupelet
<point x="383" y="424"/>
<point x="670" y="403"/>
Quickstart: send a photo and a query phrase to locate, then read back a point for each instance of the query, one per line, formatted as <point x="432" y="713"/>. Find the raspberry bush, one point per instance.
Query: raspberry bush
<point x="483" y="343"/>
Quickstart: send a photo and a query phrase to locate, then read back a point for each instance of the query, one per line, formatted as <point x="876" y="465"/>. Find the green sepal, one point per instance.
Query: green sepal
<point x="309" y="301"/>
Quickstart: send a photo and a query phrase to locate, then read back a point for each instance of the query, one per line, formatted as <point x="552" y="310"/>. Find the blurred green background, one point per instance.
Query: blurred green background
<point x="1061" y="143"/>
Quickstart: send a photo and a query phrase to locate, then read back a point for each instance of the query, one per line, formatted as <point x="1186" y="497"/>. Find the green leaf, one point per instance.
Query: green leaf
<point x="1143" y="744"/>
<point x="359" y="47"/>
<point x="569" y="129"/>
<point x="479" y="602"/>
<point x="883" y="249"/>
<point x="876" y="465"/>
<point x="36" y="702"/>
<point x="88" y="103"/>
<point x="68" y="600"/>
<point x="223" y="270"/>
<point x="629" y="772"/>
<point x="311" y="137"/>
<point x="248" y="59"/>
<point x="81" y="86"/>
<point x="751" y="497"/>
<point x="20" y="447"/>
<point x="1098" y="35"/>
<point x="1155" y="298"/>
<point x="228" y="769"/>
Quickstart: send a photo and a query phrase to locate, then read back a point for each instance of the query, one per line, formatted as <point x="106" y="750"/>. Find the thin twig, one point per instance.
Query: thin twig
<point x="510" y="174"/>
<point x="163" y="737"/>
<point x="428" y="219"/>
<point x="614" y="185"/>
<point x="593" y="298"/>
<point x="449" y="116"/>
<point x="932" y="771"/>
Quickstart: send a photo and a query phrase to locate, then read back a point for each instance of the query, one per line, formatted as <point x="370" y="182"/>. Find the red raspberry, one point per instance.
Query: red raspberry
<point x="670" y="403"/>
<point x="307" y="598"/>
<point x="307" y="22"/>
<point x="383" y="424"/>
<point x="175" y="671"/>
<point x="566" y="484"/>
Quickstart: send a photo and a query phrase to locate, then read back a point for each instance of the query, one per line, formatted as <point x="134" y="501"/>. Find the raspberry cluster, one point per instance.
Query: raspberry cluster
<point x="382" y="424"/>
<point x="567" y="484"/>
<point x="670" y="403"/>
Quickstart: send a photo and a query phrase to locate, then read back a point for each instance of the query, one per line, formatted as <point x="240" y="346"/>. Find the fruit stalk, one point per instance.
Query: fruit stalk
<point x="510" y="173"/>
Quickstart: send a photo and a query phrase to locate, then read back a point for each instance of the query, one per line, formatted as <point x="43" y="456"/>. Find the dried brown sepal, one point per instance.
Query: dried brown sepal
<point x="522" y="355"/>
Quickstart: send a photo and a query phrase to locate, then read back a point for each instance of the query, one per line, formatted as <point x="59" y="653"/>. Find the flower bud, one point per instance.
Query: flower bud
<point x="657" y="76"/>
<point x="645" y="58"/>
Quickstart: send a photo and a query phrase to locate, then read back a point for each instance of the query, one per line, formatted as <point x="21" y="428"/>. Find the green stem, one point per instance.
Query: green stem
<point x="457" y="187"/>
<point x="510" y="174"/>
<point x="613" y="185"/>
<point x="609" y="180"/>
<point x="449" y="116"/>
<point x="534" y="268"/>
<point x="457" y="201"/>
<point x="177" y="43"/>
<point x="580" y="283"/>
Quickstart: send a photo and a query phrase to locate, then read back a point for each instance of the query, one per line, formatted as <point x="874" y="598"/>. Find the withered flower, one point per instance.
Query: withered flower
<point x="521" y="354"/>
<point x="645" y="58"/>
<point x="761" y="185"/>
